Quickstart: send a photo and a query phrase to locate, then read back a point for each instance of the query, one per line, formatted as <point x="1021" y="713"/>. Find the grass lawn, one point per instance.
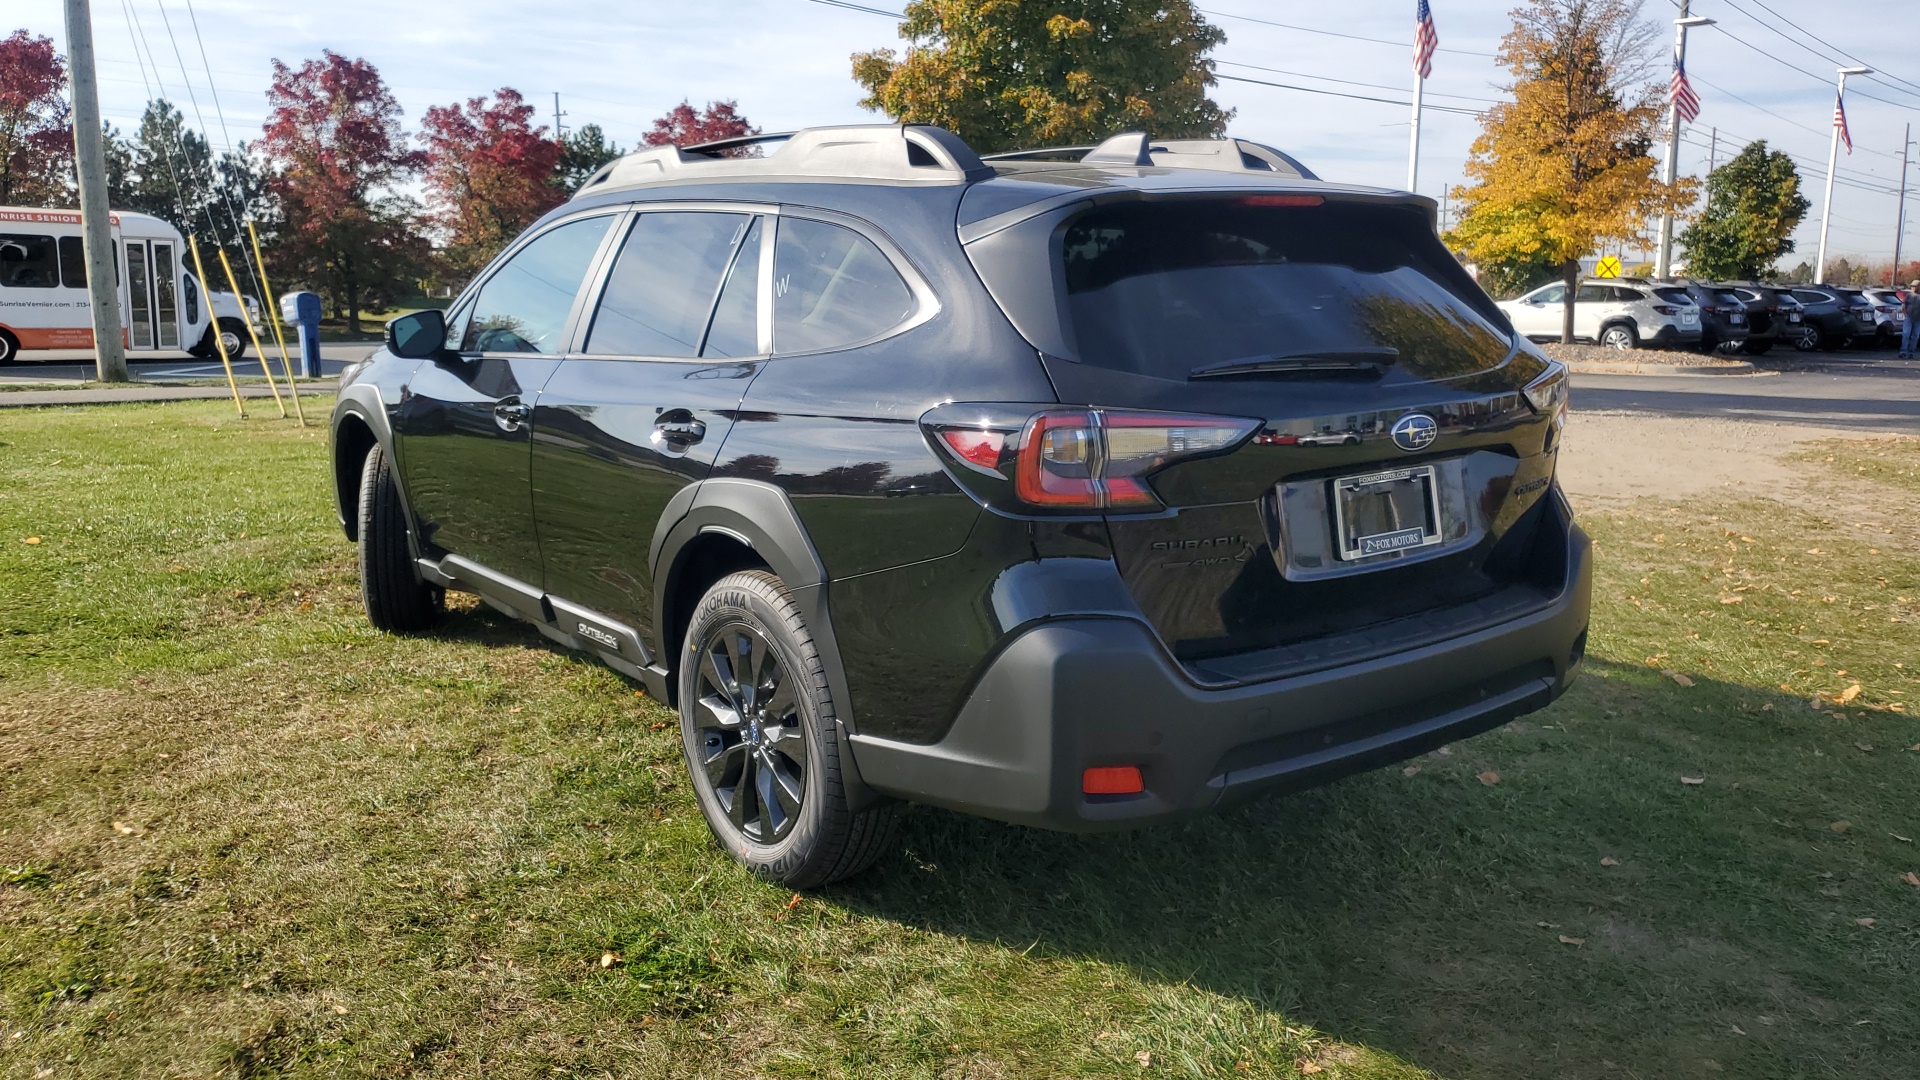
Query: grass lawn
<point x="241" y="834"/>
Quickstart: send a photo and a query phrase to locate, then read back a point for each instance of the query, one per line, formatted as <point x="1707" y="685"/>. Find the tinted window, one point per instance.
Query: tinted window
<point x="1552" y="294"/>
<point x="832" y="287"/>
<point x="1674" y="295"/>
<point x="662" y="286"/>
<point x="73" y="263"/>
<point x="1165" y="289"/>
<point x="1626" y="295"/>
<point x="736" y="319"/>
<point x="523" y="307"/>
<point x="28" y="261"/>
<point x="1593" y="294"/>
<point x="190" y="295"/>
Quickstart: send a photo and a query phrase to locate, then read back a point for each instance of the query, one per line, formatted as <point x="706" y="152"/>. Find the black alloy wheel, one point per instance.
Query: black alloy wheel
<point x="763" y="742"/>
<point x="748" y="732"/>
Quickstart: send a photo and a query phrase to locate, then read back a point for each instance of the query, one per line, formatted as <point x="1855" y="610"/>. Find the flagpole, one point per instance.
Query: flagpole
<point x="1663" y="255"/>
<point x="1833" y="162"/>
<point x="1413" y="152"/>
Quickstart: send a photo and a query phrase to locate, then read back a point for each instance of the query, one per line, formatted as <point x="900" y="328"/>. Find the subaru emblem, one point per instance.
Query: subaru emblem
<point x="1415" y="431"/>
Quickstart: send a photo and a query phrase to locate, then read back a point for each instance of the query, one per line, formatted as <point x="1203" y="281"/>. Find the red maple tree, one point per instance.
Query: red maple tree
<point x="683" y="126"/>
<point x="490" y="173"/>
<point x="36" y="124"/>
<point x="335" y="146"/>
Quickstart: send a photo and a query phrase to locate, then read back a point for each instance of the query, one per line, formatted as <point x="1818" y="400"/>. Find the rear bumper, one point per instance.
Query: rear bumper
<point x="1672" y="334"/>
<point x="1073" y="694"/>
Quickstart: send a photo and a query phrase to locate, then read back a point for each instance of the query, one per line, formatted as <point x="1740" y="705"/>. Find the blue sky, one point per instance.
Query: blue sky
<point x="619" y="64"/>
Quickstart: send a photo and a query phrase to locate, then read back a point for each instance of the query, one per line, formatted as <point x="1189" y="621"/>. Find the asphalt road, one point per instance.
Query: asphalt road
<point x="76" y="365"/>
<point x="1879" y="397"/>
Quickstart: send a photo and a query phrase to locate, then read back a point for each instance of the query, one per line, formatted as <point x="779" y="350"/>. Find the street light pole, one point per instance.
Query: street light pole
<point x="1900" y="215"/>
<point x="1663" y="256"/>
<point x="1833" y="162"/>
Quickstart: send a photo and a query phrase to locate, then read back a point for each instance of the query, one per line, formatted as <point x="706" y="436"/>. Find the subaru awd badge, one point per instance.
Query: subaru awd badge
<point x="1415" y="431"/>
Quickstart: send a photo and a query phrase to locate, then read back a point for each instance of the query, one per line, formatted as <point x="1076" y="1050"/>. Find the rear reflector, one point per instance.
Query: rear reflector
<point x="1113" y="780"/>
<point x="1282" y="200"/>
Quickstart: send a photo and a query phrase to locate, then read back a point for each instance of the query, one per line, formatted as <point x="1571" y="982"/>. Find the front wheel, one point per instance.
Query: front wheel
<point x="763" y="747"/>
<point x="396" y="599"/>
<point x="9" y="348"/>
<point x="1806" y="338"/>
<point x="1619" y="337"/>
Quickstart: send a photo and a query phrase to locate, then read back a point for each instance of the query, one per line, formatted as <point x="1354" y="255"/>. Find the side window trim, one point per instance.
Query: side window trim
<point x="713" y="303"/>
<point x="594" y="267"/>
<point x="601" y="268"/>
<point x="926" y="302"/>
<point x="602" y="273"/>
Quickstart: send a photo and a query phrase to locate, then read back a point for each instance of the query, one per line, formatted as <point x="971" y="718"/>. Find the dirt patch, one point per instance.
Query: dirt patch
<point x="1595" y="354"/>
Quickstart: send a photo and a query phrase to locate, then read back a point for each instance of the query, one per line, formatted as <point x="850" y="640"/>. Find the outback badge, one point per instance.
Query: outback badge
<point x="1415" y="431"/>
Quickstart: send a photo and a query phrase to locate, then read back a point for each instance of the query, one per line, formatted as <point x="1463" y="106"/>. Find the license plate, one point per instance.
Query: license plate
<point x="1689" y="316"/>
<point x="1866" y="316"/>
<point x="1737" y="319"/>
<point x="1384" y="512"/>
<point x="1793" y="318"/>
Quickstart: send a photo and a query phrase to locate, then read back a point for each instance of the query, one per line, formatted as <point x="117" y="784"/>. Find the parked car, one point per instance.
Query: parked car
<point x="1838" y="316"/>
<point x="1081" y="494"/>
<point x="1723" y="315"/>
<point x="1889" y="315"/>
<point x="1773" y="316"/>
<point x="1616" y="313"/>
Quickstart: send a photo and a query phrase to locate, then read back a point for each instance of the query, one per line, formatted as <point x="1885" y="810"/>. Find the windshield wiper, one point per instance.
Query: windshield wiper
<point x="1371" y="359"/>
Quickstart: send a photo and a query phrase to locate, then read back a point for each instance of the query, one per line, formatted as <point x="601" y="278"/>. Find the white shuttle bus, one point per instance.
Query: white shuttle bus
<point x="164" y="308"/>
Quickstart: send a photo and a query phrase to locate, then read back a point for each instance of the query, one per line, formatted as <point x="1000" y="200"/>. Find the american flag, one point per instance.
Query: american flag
<point x="1425" y="40"/>
<point x="1840" y="121"/>
<point x="1686" y="103"/>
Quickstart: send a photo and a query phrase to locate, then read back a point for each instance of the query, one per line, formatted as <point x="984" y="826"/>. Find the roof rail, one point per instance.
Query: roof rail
<point x="1039" y="153"/>
<point x="910" y="153"/>
<point x="1216" y="155"/>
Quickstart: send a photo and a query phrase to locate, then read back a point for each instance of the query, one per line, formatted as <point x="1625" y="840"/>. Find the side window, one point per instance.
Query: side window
<point x="736" y="318"/>
<point x="831" y="287"/>
<point x="1552" y="294"/>
<point x="73" y="263"/>
<point x="190" y="297"/>
<point x="1627" y="296"/>
<point x="523" y="307"/>
<point x="1593" y="294"/>
<point x="28" y="261"/>
<point x="662" y="288"/>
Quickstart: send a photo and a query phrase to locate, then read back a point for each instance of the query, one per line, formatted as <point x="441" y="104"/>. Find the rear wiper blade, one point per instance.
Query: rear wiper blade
<point x="1367" y="359"/>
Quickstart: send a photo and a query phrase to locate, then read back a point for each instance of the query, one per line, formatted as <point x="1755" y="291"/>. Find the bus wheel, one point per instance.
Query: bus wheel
<point x="9" y="348"/>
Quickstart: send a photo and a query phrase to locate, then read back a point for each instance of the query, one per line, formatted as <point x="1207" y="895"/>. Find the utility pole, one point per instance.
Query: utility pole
<point x="1713" y="151"/>
<point x="1900" y="215"/>
<point x="559" y="132"/>
<point x="1833" y="162"/>
<point x="96" y="229"/>
<point x="1663" y="257"/>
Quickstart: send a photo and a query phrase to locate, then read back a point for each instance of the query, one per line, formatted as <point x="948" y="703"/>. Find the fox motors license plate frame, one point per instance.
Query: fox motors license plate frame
<point x="1386" y="511"/>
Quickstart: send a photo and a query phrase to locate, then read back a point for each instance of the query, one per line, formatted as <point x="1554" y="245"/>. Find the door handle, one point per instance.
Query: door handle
<point x="677" y="430"/>
<point x="510" y="413"/>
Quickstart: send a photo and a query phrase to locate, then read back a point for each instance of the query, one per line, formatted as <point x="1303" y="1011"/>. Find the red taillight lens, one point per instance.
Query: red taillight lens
<point x="1113" y="780"/>
<point x="1282" y="200"/>
<point x="1665" y="310"/>
<point x="1099" y="459"/>
<point x="981" y="448"/>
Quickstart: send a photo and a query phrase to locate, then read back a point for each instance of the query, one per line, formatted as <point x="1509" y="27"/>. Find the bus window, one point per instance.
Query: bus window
<point x="28" y="262"/>
<point x="190" y="294"/>
<point x="73" y="263"/>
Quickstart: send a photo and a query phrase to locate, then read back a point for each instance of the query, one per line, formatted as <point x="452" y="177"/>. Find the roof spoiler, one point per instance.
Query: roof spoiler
<point x="1216" y="155"/>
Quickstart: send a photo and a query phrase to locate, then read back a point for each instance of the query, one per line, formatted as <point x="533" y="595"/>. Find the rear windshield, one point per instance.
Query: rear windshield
<point x="1163" y="289"/>
<point x="1675" y="296"/>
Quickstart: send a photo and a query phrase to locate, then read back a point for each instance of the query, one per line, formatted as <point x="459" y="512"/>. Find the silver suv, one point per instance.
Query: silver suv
<point x="1617" y="314"/>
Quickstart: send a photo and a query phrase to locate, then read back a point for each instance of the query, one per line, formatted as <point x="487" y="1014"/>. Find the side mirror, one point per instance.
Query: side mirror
<point x="419" y="335"/>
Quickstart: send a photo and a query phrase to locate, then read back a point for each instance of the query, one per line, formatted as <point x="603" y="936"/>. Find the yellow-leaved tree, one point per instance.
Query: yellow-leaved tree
<point x="1565" y="166"/>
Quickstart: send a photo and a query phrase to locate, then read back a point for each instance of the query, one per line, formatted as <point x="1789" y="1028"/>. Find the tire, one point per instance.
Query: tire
<point x="1807" y="338"/>
<point x="235" y="333"/>
<point x="1619" y="336"/>
<point x="396" y="600"/>
<point x="747" y="768"/>
<point x="1757" y="348"/>
<point x="9" y="348"/>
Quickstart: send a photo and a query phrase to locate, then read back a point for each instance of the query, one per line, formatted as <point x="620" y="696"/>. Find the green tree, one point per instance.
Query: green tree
<point x="1564" y="168"/>
<point x="173" y="174"/>
<point x="1005" y="74"/>
<point x="1753" y="206"/>
<point x="582" y="153"/>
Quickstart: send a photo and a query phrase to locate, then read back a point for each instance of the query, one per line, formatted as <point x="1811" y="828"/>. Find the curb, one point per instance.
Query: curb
<point x="27" y="399"/>
<point x="1738" y="367"/>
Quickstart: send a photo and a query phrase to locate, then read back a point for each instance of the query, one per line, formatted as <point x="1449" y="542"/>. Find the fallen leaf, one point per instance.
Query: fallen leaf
<point x="1609" y="861"/>
<point x="1310" y="1068"/>
<point x="1565" y="940"/>
<point x="1911" y="878"/>
<point x="1677" y="677"/>
<point x="31" y="540"/>
<point x="608" y="959"/>
<point x="128" y="828"/>
<point x="340" y="1009"/>
<point x="1733" y="599"/>
<point x="1411" y="770"/>
<point x="1868" y="747"/>
<point x="1447" y="751"/>
<point x="1868" y="923"/>
<point x="1693" y="780"/>
<point x="1847" y="695"/>
<point x="1736" y="1029"/>
<point x="1841" y="826"/>
<point x="1106" y="1035"/>
<point x="1144" y="1057"/>
<point x="1815" y="551"/>
<point x="1489" y="778"/>
<point x="794" y="901"/>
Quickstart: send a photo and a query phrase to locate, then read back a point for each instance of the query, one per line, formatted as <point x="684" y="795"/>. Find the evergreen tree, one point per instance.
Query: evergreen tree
<point x="1753" y="206"/>
<point x="582" y="153"/>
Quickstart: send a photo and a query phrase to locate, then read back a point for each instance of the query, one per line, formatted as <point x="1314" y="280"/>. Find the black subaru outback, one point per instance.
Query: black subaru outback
<point x="1074" y="488"/>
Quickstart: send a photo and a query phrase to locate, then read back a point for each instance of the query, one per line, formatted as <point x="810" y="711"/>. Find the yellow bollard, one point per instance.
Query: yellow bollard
<point x="279" y="330"/>
<point x="265" y="367"/>
<point x="214" y="322"/>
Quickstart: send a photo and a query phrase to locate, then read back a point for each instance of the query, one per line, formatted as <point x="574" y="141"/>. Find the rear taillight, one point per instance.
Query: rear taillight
<point x="1076" y="460"/>
<point x="1665" y="310"/>
<point x="1549" y="393"/>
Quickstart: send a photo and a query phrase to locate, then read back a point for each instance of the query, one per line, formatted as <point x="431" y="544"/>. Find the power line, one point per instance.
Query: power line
<point x="860" y="7"/>
<point x="1849" y="57"/>
<point x="1350" y="82"/>
<point x="1338" y="93"/>
<point x="1328" y="33"/>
